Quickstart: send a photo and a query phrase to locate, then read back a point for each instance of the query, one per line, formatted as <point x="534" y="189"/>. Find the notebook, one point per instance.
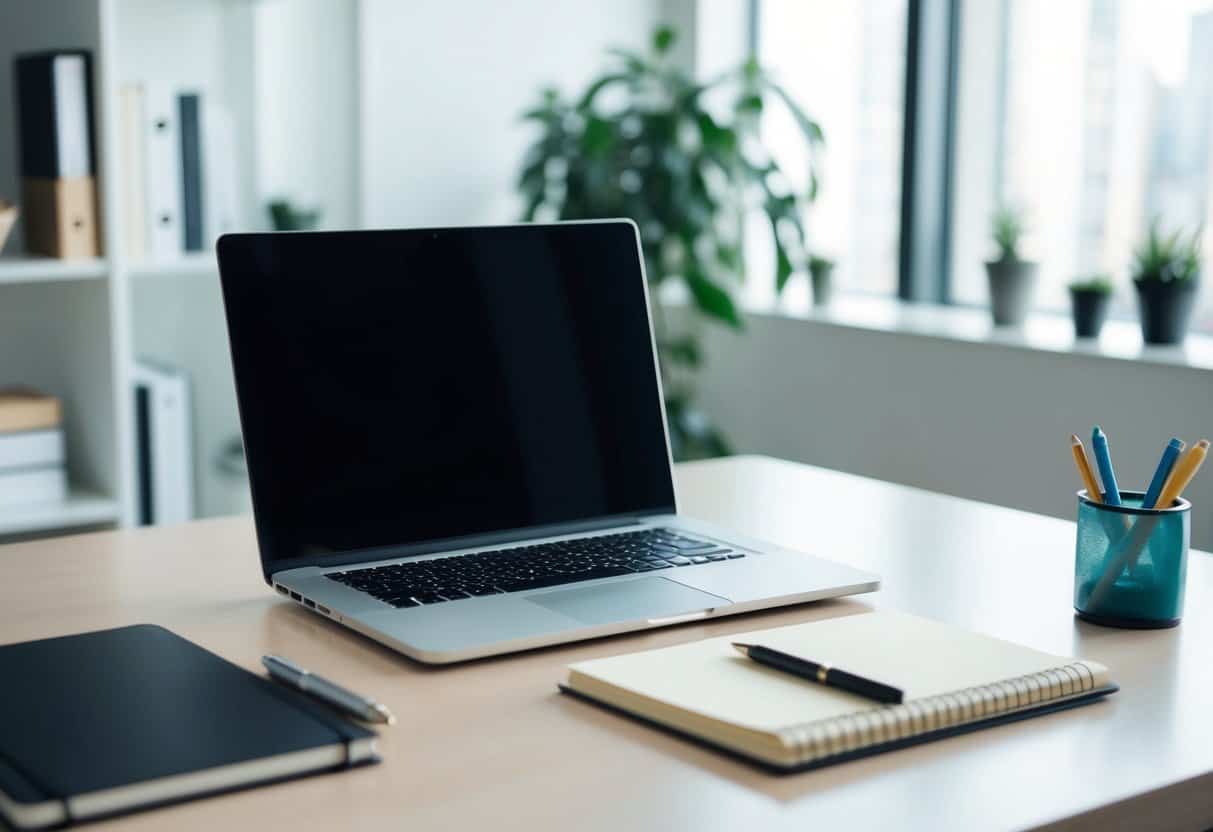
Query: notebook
<point x="954" y="681"/>
<point x="108" y="722"/>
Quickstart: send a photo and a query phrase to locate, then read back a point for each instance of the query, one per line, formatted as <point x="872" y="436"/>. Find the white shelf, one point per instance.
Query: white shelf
<point x="32" y="269"/>
<point x="79" y="509"/>
<point x="202" y="263"/>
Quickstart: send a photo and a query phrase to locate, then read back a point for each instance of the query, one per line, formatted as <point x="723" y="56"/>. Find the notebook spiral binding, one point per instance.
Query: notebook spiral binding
<point x="839" y="735"/>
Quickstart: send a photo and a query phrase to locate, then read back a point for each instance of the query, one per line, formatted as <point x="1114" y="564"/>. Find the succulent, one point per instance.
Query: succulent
<point x="1167" y="258"/>
<point x="1007" y="228"/>
<point x="1100" y="284"/>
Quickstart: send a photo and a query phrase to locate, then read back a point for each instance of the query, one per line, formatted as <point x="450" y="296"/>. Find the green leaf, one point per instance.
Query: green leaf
<point x="783" y="266"/>
<point x="597" y="137"/>
<point x="811" y="129"/>
<point x="712" y="300"/>
<point x="587" y="100"/>
<point x="663" y="39"/>
<point x="751" y="103"/>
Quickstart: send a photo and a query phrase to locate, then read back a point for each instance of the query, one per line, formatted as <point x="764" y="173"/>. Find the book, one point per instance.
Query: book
<point x="134" y="189"/>
<point x="954" y="681"/>
<point x="31" y="449"/>
<point x="24" y="409"/>
<point x="164" y="448"/>
<point x="31" y="486"/>
<point x="109" y="722"/>
<point x="162" y="170"/>
<point x="189" y="122"/>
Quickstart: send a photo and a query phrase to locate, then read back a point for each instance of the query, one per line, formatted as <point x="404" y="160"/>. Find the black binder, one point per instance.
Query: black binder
<point x="108" y="722"/>
<point x="55" y="114"/>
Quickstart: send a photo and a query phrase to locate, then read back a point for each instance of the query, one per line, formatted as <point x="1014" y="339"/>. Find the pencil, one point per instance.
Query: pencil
<point x="1183" y="472"/>
<point x="1084" y="469"/>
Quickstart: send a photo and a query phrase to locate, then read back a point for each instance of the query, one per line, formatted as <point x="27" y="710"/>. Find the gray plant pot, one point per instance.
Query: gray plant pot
<point x="1012" y="283"/>
<point x="1165" y="310"/>
<point x="823" y="285"/>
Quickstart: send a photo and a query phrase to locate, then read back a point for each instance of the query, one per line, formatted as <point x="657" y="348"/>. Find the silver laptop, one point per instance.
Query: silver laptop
<point x="456" y="441"/>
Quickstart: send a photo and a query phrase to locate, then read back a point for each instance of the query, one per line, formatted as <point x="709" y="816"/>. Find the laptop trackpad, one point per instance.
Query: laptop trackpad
<point x="638" y="600"/>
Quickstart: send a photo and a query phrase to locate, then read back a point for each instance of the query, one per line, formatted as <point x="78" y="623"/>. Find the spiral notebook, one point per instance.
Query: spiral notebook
<point x="954" y="681"/>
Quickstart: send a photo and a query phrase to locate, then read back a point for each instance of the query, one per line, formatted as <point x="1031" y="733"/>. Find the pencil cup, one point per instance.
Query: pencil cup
<point x="1130" y="562"/>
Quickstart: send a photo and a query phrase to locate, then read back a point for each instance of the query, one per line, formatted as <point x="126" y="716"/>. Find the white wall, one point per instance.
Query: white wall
<point x="983" y="421"/>
<point x="306" y="73"/>
<point x="443" y="85"/>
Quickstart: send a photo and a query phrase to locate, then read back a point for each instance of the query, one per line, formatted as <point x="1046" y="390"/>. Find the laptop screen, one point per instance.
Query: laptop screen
<point x="402" y="387"/>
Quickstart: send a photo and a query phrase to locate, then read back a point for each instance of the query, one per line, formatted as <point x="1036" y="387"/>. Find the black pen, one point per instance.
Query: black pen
<point x="822" y="674"/>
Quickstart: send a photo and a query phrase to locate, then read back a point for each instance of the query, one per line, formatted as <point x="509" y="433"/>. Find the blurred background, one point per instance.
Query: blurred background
<point x="831" y="195"/>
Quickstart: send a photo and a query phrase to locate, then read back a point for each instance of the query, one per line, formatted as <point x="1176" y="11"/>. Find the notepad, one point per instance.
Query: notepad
<point x="103" y="723"/>
<point x="954" y="681"/>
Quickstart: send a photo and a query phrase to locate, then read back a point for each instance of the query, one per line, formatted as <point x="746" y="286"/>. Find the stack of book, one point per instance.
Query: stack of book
<point x="31" y="449"/>
<point x="58" y="160"/>
<point x="179" y="183"/>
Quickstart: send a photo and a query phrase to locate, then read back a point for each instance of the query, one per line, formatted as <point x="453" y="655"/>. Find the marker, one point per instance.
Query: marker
<point x="1185" y="470"/>
<point x="1084" y="469"/>
<point x="1169" y="455"/>
<point x="1099" y="447"/>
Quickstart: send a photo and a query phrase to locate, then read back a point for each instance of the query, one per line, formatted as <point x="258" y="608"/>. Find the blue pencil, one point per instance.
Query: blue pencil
<point x="1169" y="455"/>
<point x="1099" y="446"/>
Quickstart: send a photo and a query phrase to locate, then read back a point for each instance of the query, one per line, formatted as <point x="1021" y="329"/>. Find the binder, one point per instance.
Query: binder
<point x="57" y="158"/>
<point x="132" y="175"/>
<point x="163" y="444"/>
<point x="190" y="127"/>
<point x="162" y="145"/>
<point x="55" y="114"/>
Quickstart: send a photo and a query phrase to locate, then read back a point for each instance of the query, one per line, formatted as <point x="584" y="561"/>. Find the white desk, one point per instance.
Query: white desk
<point x="491" y="745"/>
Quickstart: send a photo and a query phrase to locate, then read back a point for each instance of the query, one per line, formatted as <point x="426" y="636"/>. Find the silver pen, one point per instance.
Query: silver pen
<point x="359" y="707"/>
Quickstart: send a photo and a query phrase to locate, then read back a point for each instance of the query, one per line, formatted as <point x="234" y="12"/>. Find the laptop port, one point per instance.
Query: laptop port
<point x="296" y="596"/>
<point x="281" y="589"/>
<point x="323" y="609"/>
<point x="309" y="603"/>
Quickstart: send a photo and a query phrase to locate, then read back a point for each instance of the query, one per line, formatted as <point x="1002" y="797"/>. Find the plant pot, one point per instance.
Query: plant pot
<point x="1090" y="311"/>
<point x="1165" y="309"/>
<point x="822" y="279"/>
<point x="1011" y="285"/>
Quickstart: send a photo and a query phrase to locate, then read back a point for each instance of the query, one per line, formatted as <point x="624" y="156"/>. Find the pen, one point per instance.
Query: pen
<point x="1084" y="469"/>
<point x="1099" y="447"/>
<point x="1169" y="455"/>
<point x="1185" y="469"/>
<point x="359" y="707"/>
<point x="822" y="674"/>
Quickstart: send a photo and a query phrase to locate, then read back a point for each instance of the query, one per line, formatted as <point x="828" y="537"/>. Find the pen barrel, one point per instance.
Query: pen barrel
<point x="864" y="687"/>
<point x="333" y="693"/>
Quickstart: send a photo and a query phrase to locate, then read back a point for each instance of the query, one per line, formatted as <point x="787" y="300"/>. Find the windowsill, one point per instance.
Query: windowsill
<point x="1119" y="340"/>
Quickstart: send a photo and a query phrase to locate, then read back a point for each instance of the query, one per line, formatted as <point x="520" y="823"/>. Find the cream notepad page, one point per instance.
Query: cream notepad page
<point x="709" y="689"/>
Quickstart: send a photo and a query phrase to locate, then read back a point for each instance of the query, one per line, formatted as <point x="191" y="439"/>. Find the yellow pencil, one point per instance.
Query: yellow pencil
<point x="1084" y="469"/>
<point x="1183" y="472"/>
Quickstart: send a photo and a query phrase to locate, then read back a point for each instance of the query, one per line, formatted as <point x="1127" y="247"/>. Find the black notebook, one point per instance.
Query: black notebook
<point x="108" y="722"/>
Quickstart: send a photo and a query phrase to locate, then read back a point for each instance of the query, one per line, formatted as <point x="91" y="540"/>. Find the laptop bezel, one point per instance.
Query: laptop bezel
<point x="271" y="566"/>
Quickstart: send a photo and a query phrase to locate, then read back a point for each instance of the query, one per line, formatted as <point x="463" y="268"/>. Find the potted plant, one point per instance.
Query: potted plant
<point x="1089" y="303"/>
<point x="821" y="273"/>
<point x="1011" y="278"/>
<point x="684" y="159"/>
<point x="1166" y="273"/>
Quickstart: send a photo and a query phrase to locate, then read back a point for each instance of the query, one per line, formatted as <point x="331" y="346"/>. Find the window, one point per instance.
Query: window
<point x="1095" y="117"/>
<point x="845" y="64"/>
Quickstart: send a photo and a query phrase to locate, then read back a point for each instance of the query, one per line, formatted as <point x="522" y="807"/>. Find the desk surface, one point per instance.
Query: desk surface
<point x="492" y="745"/>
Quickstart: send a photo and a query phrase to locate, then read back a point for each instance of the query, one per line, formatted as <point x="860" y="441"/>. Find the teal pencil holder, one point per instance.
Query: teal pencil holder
<point x="1130" y="563"/>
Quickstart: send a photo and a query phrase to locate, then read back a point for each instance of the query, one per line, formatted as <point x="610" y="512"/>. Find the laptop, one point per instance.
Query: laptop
<point x="456" y="441"/>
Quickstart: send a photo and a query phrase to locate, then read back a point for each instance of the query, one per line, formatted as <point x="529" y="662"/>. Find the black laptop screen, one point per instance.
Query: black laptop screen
<point x="399" y="387"/>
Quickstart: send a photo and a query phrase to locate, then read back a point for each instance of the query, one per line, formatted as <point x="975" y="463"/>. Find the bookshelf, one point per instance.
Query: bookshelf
<point x="74" y="328"/>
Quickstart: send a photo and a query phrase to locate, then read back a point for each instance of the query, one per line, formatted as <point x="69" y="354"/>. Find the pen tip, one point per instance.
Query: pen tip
<point x="743" y="649"/>
<point x="1074" y="440"/>
<point x="388" y="716"/>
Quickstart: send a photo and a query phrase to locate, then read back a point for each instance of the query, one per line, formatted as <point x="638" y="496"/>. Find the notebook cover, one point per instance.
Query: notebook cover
<point x="860" y="753"/>
<point x="112" y="708"/>
<point x="36" y="114"/>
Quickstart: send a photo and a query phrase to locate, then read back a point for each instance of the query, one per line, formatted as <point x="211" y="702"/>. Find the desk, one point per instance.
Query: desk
<point x="492" y="745"/>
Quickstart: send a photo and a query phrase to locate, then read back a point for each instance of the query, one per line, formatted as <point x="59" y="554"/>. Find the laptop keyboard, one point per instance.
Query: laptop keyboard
<point x="437" y="580"/>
